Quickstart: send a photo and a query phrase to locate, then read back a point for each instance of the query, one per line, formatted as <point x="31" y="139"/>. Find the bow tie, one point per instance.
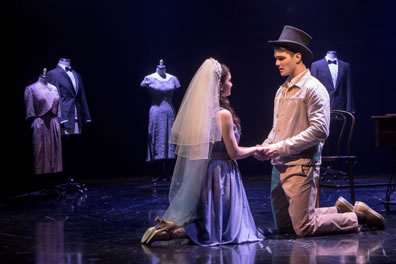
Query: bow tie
<point x="68" y="68"/>
<point x="332" y="61"/>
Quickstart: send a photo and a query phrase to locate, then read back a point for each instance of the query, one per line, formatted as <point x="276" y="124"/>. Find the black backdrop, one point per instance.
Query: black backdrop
<point x="114" y="44"/>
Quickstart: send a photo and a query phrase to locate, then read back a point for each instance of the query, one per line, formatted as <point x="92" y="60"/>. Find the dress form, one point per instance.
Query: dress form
<point x="161" y="86"/>
<point x="331" y="55"/>
<point x="161" y="69"/>
<point x="336" y="76"/>
<point x="43" y="78"/>
<point x="64" y="61"/>
<point x="42" y="103"/>
<point x="72" y="94"/>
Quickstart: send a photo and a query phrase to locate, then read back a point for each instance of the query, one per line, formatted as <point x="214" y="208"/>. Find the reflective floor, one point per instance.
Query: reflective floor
<point x="107" y="224"/>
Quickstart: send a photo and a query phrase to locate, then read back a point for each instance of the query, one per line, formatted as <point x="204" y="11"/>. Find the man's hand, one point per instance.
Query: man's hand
<point x="270" y="151"/>
<point x="259" y="154"/>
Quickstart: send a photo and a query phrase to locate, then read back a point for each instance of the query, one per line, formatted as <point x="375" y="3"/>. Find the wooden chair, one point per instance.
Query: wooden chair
<point x="337" y="158"/>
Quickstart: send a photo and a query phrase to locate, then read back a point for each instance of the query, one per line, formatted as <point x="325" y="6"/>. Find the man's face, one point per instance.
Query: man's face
<point x="286" y="62"/>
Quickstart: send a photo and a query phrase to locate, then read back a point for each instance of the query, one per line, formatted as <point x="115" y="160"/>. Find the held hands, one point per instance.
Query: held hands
<point x="260" y="154"/>
<point x="265" y="152"/>
<point x="271" y="151"/>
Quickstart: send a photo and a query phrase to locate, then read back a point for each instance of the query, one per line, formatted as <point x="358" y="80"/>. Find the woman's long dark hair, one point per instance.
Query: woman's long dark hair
<point x="225" y="103"/>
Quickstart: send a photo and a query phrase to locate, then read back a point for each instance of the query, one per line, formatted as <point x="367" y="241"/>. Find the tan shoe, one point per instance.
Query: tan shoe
<point x="168" y="225"/>
<point x="148" y="233"/>
<point x="159" y="234"/>
<point x="343" y="205"/>
<point x="164" y="225"/>
<point x="373" y="219"/>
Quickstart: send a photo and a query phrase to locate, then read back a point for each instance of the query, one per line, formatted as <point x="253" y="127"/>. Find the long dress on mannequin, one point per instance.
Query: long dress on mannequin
<point x="161" y="116"/>
<point x="42" y="105"/>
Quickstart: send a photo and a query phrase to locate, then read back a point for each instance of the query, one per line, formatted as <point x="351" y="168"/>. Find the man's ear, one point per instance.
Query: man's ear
<point x="298" y="57"/>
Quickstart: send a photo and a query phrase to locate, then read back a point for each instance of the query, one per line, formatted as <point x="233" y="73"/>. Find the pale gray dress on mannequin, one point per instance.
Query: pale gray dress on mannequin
<point x="161" y="116"/>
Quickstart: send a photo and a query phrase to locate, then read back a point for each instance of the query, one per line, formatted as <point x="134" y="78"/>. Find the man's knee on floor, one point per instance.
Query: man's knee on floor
<point x="304" y="229"/>
<point x="303" y="233"/>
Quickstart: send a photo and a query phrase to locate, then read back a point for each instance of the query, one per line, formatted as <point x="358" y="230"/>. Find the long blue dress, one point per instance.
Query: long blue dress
<point x="224" y="215"/>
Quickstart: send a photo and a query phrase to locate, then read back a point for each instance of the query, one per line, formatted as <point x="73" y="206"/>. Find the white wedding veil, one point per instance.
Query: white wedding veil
<point x="194" y="132"/>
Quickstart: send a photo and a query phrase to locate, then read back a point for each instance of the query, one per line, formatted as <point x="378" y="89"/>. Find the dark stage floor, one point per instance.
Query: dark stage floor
<point x="106" y="227"/>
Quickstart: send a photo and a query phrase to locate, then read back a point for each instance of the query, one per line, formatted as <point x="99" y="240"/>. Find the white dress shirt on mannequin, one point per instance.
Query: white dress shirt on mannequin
<point x="71" y="75"/>
<point x="76" y="129"/>
<point x="333" y="67"/>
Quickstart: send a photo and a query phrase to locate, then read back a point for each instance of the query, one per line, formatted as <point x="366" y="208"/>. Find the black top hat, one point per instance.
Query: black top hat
<point x="296" y="40"/>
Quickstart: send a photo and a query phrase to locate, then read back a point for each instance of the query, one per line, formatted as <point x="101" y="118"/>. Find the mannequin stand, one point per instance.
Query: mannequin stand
<point x="48" y="189"/>
<point x="61" y="190"/>
<point x="166" y="176"/>
<point x="70" y="186"/>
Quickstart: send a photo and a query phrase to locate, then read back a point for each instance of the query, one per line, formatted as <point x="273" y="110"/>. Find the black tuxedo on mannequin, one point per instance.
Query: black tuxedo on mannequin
<point x="341" y="94"/>
<point x="74" y="113"/>
<point x="70" y="98"/>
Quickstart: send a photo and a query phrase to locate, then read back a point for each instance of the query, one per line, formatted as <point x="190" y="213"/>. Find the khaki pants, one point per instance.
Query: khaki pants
<point x="293" y="198"/>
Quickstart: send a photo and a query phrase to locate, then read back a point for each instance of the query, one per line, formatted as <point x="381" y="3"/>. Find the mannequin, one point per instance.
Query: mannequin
<point x="161" y="86"/>
<point x="74" y="113"/>
<point x="74" y="105"/>
<point x="335" y="75"/>
<point x="42" y="110"/>
<point x="161" y="69"/>
<point x="43" y="78"/>
<point x="332" y="54"/>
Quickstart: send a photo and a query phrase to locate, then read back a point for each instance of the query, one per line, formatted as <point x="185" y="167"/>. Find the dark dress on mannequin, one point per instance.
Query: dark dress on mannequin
<point x="161" y="116"/>
<point x="43" y="106"/>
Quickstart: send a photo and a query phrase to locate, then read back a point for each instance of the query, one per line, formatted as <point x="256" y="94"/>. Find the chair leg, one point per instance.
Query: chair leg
<point x="351" y="181"/>
<point x="317" y="193"/>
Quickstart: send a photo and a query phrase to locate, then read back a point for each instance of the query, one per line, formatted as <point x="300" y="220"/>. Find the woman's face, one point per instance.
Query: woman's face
<point x="225" y="87"/>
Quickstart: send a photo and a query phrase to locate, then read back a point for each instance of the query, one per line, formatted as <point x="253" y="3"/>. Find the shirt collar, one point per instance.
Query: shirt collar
<point x="298" y="81"/>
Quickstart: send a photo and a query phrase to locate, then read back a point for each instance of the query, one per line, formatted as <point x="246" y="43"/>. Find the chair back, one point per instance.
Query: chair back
<point x="342" y="125"/>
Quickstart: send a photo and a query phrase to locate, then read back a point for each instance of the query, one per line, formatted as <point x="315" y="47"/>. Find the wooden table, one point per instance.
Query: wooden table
<point x="385" y="136"/>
